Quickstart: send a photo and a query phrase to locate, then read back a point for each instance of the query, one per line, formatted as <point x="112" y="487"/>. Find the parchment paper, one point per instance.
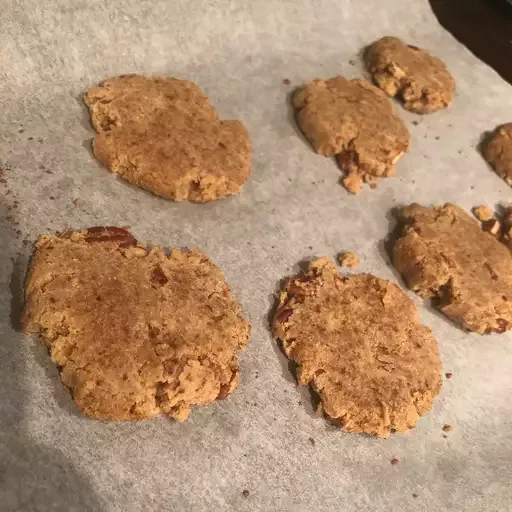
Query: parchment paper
<point x="52" y="458"/>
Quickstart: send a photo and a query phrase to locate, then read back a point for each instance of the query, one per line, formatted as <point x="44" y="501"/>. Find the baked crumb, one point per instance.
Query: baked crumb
<point x="395" y="461"/>
<point x="483" y="213"/>
<point x="448" y="428"/>
<point x="352" y="183"/>
<point x="245" y="493"/>
<point x="348" y="259"/>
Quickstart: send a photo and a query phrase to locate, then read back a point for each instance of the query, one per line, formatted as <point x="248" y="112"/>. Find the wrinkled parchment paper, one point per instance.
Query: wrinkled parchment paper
<point x="52" y="458"/>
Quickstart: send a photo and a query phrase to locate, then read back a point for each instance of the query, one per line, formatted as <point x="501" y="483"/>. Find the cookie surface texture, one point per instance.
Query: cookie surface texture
<point x="355" y="121"/>
<point x="420" y="80"/>
<point x="443" y="254"/>
<point x="497" y="150"/>
<point x="162" y="135"/>
<point x="135" y="332"/>
<point x="358" y="343"/>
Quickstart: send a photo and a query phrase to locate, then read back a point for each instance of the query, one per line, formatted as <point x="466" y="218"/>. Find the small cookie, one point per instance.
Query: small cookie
<point x="135" y="332"/>
<point x="355" y="121"/>
<point x="162" y="135"/>
<point x="497" y="150"/>
<point x="420" y="80"/>
<point x="443" y="253"/>
<point x="359" y="344"/>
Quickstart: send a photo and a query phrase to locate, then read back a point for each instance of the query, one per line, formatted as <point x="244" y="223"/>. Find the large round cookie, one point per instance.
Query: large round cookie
<point x="162" y="135"/>
<point x="420" y="80"/>
<point x="359" y="344"/>
<point x="355" y="121"/>
<point x="134" y="331"/>
<point x="443" y="253"/>
<point x="497" y="150"/>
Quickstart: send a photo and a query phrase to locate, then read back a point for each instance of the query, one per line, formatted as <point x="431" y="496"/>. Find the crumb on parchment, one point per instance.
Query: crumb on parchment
<point x="483" y="213"/>
<point x="348" y="259"/>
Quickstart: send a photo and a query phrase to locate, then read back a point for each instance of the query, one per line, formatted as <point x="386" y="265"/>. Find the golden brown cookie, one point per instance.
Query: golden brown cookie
<point x="355" y="121"/>
<point x="135" y="332"/>
<point x="358" y="343"/>
<point x="443" y="253"/>
<point x="162" y="135"/>
<point x="497" y="150"/>
<point x="419" y="79"/>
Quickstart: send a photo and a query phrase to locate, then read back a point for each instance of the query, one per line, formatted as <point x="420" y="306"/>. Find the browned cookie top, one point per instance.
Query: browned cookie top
<point x="420" y="80"/>
<point x="355" y="120"/>
<point x="359" y="344"/>
<point x="497" y="150"/>
<point x="162" y="135"/>
<point x="135" y="332"/>
<point x="444" y="254"/>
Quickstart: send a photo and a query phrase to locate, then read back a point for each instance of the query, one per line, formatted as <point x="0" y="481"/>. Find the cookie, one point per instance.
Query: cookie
<point x="358" y="343"/>
<point x="134" y="331"/>
<point x="497" y="150"/>
<point x="355" y="121"/>
<point x="162" y="135"/>
<point x="420" y="80"/>
<point x="443" y="254"/>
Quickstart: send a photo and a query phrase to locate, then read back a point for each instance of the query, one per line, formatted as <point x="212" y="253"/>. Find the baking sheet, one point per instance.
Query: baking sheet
<point x="51" y="457"/>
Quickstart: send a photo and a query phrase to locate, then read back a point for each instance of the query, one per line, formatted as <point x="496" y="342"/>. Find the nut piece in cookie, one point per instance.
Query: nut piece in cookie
<point x="497" y="150"/>
<point x="419" y="79"/>
<point x="355" y="121"/>
<point x="162" y="135"/>
<point x="443" y="253"/>
<point x="506" y="224"/>
<point x="135" y="332"/>
<point x="492" y="226"/>
<point x="500" y="227"/>
<point x="359" y="344"/>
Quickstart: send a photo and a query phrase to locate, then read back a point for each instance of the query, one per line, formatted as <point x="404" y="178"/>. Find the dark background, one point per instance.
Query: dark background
<point x="484" y="26"/>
